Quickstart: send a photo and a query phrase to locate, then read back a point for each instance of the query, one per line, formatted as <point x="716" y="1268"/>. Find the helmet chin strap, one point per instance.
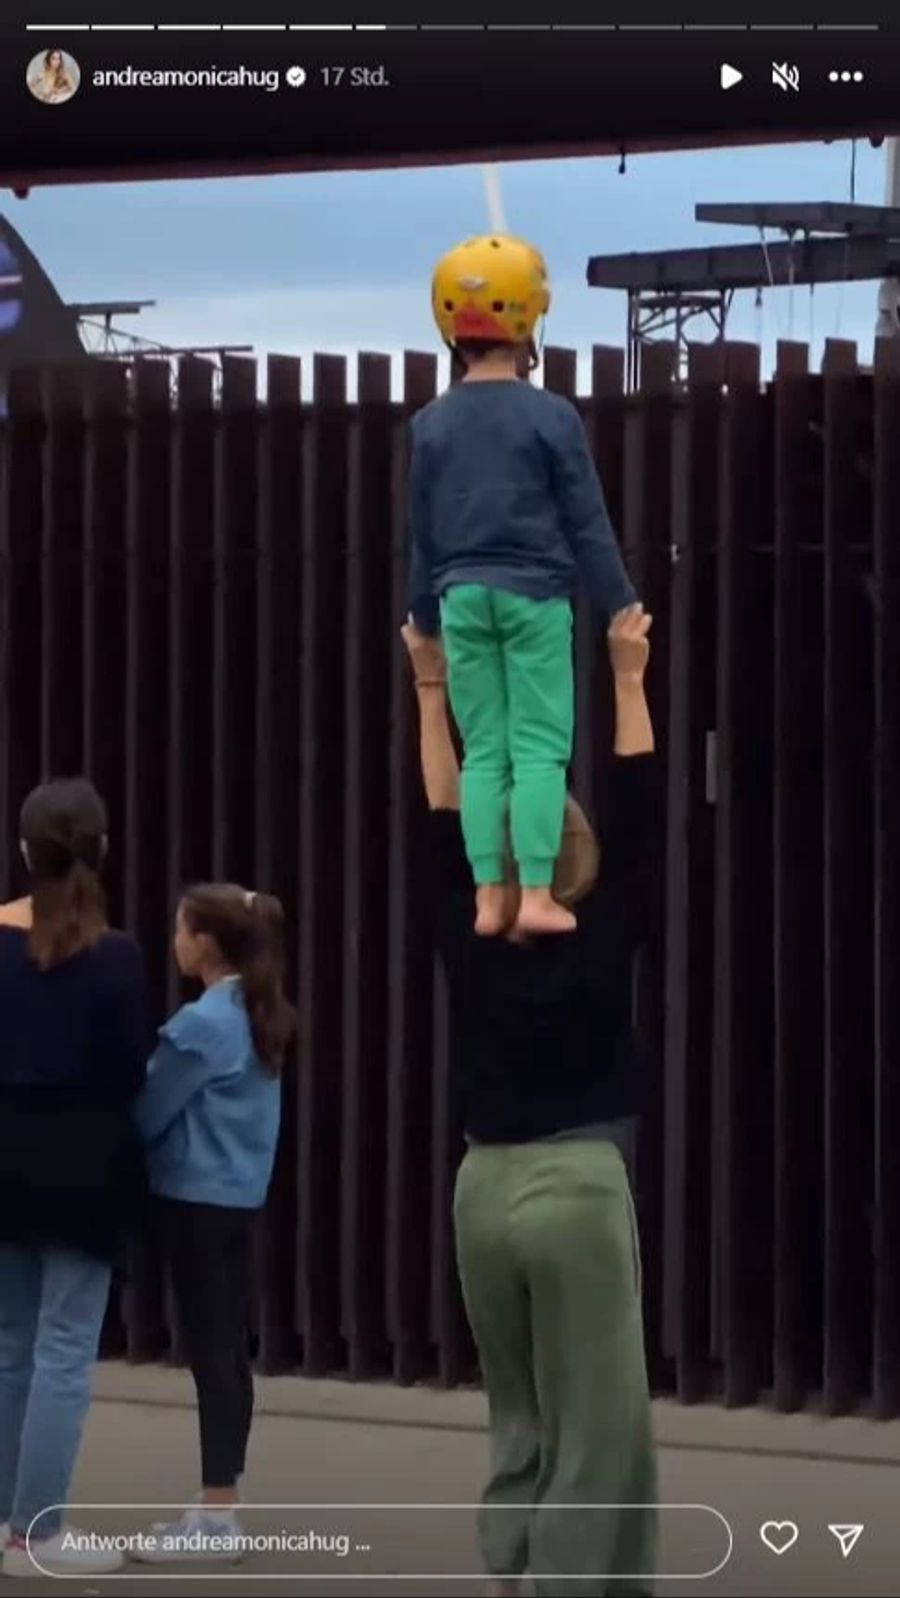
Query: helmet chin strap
<point x="455" y="359"/>
<point x="536" y="348"/>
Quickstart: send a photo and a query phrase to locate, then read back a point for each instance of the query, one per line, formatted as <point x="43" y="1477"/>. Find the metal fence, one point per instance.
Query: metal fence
<point x="199" y="606"/>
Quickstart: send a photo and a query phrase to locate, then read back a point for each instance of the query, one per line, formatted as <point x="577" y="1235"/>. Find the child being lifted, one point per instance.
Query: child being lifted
<point x="506" y="510"/>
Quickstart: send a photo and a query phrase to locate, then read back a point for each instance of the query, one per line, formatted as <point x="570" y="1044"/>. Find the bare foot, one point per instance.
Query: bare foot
<point x="502" y="1587"/>
<point x="540" y="913"/>
<point x="490" y="901"/>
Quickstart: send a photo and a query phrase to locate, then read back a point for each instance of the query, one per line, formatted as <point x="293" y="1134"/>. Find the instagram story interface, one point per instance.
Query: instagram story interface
<point x="450" y="858"/>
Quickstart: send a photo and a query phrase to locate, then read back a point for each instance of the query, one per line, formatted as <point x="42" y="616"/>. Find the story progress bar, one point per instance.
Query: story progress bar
<point x="450" y="27"/>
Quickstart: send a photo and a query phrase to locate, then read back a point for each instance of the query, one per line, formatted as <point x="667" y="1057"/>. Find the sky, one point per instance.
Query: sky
<point x="341" y="262"/>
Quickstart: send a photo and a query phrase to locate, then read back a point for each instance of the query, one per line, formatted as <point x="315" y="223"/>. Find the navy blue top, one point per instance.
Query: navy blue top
<point x="504" y="492"/>
<point x="74" y="1042"/>
<point x="542" y="1040"/>
<point x="81" y="1025"/>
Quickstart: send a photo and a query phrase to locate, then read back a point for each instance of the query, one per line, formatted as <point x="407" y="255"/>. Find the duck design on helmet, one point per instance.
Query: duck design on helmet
<point x="495" y="288"/>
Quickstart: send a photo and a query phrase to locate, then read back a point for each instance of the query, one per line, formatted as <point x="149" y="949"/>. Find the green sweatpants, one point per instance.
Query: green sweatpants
<point x="509" y="672"/>
<point x="547" y="1252"/>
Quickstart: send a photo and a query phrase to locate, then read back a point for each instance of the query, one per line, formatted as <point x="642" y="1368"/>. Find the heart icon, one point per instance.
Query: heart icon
<point x="779" y="1535"/>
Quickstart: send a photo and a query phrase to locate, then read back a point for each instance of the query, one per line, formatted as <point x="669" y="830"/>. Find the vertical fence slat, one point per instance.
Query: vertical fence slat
<point x="410" y="963"/>
<point x="742" y="1050"/>
<point x="604" y="420"/>
<point x="561" y="371"/>
<point x="561" y="377"/>
<point x="607" y="372"/>
<point x="189" y="763"/>
<point x="234" y="567"/>
<point x="279" y="512"/>
<point x="370" y="649"/>
<point x="190" y="639"/>
<point x="706" y="368"/>
<point x="840" y="358"/>
<point x="105" y="610"/>
<point x="647" y="538"/>
<point x="21" y="593"/>
<point x="234" y="622"/>
<point x="886" y="1354"/>
<point x="147" y="669"/>
<point x="321" y="865"/>
<point x="792" y="359"/>
<point x="63" y="574"/>
<point x="797" y="883"/>
<point x="104" y="614"/>
<point x="447" y="1327"/>
<point x="848" y="904"/>
<point x="690" y="874"/>
<point x="146" y="742"/>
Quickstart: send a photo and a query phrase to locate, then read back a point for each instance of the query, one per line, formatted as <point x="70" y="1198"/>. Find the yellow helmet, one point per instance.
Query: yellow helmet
<point x="494" y="288"/>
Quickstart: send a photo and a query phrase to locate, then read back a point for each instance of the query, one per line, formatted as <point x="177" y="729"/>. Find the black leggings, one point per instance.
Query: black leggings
<point x="209" y="1251"/>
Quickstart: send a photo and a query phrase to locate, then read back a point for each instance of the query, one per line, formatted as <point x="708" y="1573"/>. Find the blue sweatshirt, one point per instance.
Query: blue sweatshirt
<point x="504" y="492"/>
<point x="210" y="1112"/>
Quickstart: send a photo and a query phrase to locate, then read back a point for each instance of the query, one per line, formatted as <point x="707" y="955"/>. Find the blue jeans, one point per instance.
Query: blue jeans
<point x="52" y="1304"/>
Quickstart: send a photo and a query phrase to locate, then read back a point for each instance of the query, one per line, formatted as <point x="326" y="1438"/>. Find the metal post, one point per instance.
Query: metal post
<point x="888" y="324"/>
<point x="493" y="195"/>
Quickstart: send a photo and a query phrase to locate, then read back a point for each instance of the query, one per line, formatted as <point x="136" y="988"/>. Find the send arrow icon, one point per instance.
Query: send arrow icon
<point x="848" y="1537"/>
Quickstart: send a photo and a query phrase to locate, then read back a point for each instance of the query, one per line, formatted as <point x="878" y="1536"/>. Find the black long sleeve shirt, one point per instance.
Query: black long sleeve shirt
<point x="543" y="1040"/>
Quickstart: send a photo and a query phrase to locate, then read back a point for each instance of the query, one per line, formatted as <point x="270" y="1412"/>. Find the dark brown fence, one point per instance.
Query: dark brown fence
<point x="199" y="605"/>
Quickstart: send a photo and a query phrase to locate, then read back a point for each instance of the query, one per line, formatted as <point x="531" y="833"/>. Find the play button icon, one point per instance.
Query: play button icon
<point x="729" y="76"/>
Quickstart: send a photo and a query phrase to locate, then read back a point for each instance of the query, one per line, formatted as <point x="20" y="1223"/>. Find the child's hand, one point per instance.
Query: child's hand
<point x="426" y="654"/>
<point x="629" y="646"/>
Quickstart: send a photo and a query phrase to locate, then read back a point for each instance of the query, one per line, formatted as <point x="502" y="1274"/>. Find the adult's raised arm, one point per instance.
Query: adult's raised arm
<point x="440" y="767"/>
<point x="629" y="652"/>
<point x="630" y="841"/>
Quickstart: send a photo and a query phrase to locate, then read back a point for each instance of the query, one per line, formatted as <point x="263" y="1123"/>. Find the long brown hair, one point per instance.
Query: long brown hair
<point x="249" y="931"/>
<point x="58" y="74"/>
<point x="63" y="829"/>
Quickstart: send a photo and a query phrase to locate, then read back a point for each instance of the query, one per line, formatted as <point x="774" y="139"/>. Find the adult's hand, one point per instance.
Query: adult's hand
<point x="629" y="644"/>
<point x="629" y="651"/>
<point x="426" y="655"/>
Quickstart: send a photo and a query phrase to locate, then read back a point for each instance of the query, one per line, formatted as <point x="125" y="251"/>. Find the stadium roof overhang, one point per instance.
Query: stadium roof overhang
<point x="24" y="178"/>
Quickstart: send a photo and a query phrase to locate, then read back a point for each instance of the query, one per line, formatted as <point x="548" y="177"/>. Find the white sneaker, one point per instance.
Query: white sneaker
<point x="70" y="1553"/>
<point x="202" y="1534"/>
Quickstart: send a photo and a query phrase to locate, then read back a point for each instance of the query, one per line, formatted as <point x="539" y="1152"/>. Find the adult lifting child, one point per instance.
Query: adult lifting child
<point x="506" y="514"/>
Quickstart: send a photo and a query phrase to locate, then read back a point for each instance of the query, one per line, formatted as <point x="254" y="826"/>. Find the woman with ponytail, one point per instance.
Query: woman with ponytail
<point x="74" y="1034"/>
<point x="209" y="1116"/>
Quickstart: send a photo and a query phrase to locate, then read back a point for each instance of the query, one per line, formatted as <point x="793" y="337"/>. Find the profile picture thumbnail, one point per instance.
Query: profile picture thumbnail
<point x="53" y="77"/>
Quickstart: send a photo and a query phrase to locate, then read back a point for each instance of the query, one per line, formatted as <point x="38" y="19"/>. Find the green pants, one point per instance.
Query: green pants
<point x="548" y="1260"/>
<point x="509" y="670"/>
